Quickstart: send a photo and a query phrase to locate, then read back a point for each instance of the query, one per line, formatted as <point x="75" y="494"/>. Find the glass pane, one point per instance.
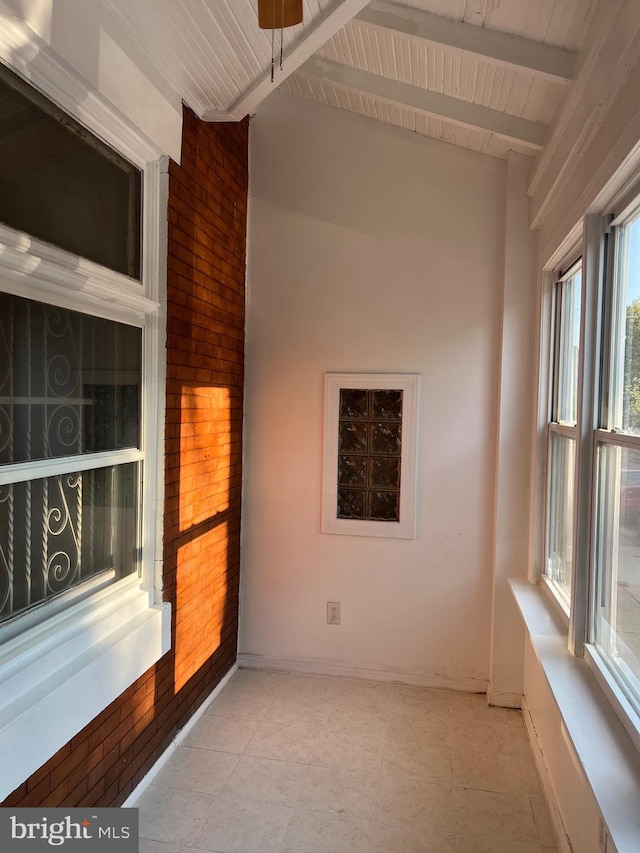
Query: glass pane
<point x="69" y="383"/>
<point x="384" y="506"/>
<point x="386" y="405"/>
<point x="569" y="349"/>
<point x="59" y="531"/>
<point x="352" y="470"/>
<point x="353" y="437"/>
<point x="384" y="472"/>
<point x="626" y="343"/>
<point x="62" y="185"/>
<point x="560" y="514"/>
<point x="617" y="605"/>
<point x="385" y="438"/>
<point x="354" y="403"/>
<point x="351" y="503"/>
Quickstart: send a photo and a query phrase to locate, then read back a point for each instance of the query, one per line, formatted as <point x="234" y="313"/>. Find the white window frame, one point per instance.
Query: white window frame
<point x="558" y="427"/>
<point x="593" y="430"/>
<point x="59" y="673"/>
<point x="605" y="434"/>
<point x="408" y="383"/>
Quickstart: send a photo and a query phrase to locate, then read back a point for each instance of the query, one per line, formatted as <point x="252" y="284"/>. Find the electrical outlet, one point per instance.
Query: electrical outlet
<point x="333" y="612"/>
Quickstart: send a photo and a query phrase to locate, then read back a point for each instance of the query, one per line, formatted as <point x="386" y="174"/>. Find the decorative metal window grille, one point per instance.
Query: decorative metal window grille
<point x="369" y="452"/>
<point x="69" y="451"/>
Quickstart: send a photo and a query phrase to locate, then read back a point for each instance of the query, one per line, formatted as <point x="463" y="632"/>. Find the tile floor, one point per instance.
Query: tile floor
<point x="285" y="763"/>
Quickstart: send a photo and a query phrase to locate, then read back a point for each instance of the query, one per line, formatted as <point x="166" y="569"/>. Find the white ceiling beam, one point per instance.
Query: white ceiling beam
<point x="404" y="95"/>
<point x="326" y="26"/>
<point x="542" y="60"/>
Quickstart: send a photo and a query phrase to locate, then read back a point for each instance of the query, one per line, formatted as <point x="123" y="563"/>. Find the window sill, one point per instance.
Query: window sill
<point x="62" y="673"/>
<point x="593" y="729"/>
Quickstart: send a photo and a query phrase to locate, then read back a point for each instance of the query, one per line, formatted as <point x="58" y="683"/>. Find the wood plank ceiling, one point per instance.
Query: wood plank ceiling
<point x="488" y="75"/>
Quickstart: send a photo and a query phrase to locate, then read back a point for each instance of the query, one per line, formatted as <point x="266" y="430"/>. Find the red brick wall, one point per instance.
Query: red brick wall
<point x="205" y="362"/>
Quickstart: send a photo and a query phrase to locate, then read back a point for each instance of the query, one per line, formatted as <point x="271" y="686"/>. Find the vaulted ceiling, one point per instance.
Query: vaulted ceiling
<point x="488" y="75"/>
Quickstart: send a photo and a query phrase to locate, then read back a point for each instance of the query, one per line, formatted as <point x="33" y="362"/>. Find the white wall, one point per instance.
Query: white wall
<point x="516" y="436"/>
<point x="370" y="250"/>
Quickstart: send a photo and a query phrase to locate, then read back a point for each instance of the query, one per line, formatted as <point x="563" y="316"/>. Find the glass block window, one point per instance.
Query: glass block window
<point x="369" y="443"/>
<point x="369" y="455"/>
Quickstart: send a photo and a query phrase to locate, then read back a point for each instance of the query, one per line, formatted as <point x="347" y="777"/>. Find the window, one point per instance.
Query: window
<point x="369" y="454"/>
<point x="615" y="624"/>
<point x="81" y="415"/>
<point x="70" y="390"/>
<point x="562" y="434"/>
<point x="61" y="184"/>
<point x="592" y="543"/>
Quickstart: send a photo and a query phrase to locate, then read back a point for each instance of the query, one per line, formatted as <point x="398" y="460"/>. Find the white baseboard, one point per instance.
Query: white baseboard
<point x="166" y="755"/>
<point x="564" y="845"/>
<point x="309" y="666"/>
<point x="504" y="700"/>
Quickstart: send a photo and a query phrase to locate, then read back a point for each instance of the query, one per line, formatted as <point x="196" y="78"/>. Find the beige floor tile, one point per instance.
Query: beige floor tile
<point x="244" y="826"/>
<point x="351" y="752"/>
<point x="224" y="734"/>
<point x="368" y="722"/>
<point x="507" y="774"/>
<point x="396" y="838"/>
<point x="284" y="763"/>
<point x="171" y="815"/>
<point x="473" y="844"/>
<point x="266" y="780"/>
<point x="490" y="734"/>
<point x="265" y="678"/>
<point x="297" y="710"/>
<point x="192" y="769"/>
<point x="241" y="704"/>
<point x="148" y="846"/>
<point x="544" y="825"/>
<point x="406" y="700"/>
<point x="463" y="705"/>
<point x="423" y="805"/>
<point x="328" y="789"/>
<point x="283" y="742"/>
<point x="415" y="725"/>
<point x="320" y="832"/>
<point x="502" y="817"/>
<point x="421" y="761"/>
<point x="354" y="689"/>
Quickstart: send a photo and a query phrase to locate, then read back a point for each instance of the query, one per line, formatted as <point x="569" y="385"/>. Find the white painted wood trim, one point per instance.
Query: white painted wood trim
<point x="149" y="777"/>
<point x="312" y="38"/>
<point x="311" y="666"/>
<point x="573" y="132"/>
<point x="408" y="383"/>
<point x="21" y="472"/>
<point x="22" y="50"/>
<point x="422" y="101"/>
<point x="504" y="700"/>
<point x="65" y="669"/>
<point x="595" y="737"/>
<point x="61" y="674"/>
<point x="511" y="51"/>
<point x="547" y="785"/>
<point x="36" y="270"/>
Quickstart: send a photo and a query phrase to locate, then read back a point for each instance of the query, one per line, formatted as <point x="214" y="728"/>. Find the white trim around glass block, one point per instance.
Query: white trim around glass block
<point x="408" y="383"/>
